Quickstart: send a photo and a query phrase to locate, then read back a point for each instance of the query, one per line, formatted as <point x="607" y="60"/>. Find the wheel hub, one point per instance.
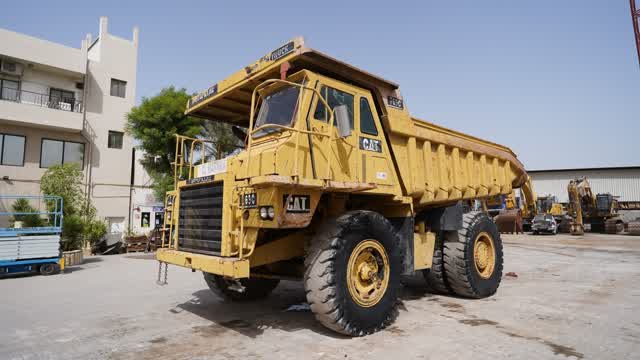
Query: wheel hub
<point x="368" y="273"/>
<point x="484" y="255"/>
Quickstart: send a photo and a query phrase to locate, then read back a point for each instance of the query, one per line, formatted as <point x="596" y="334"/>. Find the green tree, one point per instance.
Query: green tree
<point x="32" y="219"/>
<point x="80" y="225"/>
<point x="222" y="139"/>
<point x="157" y="120"/>
<point x="65" y="181"/>
<point x="154" y="123"/>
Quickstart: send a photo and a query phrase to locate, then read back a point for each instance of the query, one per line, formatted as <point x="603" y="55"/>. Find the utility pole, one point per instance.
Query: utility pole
<point x="635" y="16"/>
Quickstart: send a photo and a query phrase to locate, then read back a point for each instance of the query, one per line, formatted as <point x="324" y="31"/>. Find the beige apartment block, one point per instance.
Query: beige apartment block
<point x="60" y="104"/>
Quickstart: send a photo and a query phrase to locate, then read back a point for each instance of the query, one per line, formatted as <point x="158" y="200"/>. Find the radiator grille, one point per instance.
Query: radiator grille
<point x="200" y="219"/>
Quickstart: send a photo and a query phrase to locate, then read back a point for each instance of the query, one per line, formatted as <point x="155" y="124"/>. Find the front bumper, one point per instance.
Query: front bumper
<point x="543" y="228"/>
<point x="230" y="267"/>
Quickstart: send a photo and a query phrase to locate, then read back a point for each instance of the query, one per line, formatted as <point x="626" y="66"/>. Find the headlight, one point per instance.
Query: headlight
<point x="267" y="213"/>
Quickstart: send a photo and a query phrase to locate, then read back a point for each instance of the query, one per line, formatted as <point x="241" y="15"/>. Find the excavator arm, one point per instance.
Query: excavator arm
<point x="575" y="190"/>
<point x="529" y="199"/>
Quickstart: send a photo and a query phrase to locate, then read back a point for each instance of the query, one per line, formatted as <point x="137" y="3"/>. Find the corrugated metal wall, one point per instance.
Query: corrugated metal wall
<point x="619" y="182"/>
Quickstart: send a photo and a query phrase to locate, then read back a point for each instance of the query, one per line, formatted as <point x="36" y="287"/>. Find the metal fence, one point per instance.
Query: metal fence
<point x="44" y="100"/>
<point x="30" y="215"/>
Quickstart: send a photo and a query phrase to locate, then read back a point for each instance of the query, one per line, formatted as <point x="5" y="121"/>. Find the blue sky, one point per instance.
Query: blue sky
<point x="557" y="81"/>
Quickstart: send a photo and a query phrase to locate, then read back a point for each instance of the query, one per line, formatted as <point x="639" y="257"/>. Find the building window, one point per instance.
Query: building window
<point x="9" y="90"/>
<point x="146" y="219"/>
<point x="115" y="140"/>
<point x="367" y="123"/>
<point x="62" y="99"/>
<point x="57" y="152"/>
<point x="12" y="149"/>
<point x="118" y="88"/>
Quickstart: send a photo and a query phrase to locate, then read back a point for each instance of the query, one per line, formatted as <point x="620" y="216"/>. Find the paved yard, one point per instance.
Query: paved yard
<point x="573" y="297"/>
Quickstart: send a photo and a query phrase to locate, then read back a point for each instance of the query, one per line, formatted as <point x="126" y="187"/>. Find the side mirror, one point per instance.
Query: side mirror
<point x="341" y="114"/>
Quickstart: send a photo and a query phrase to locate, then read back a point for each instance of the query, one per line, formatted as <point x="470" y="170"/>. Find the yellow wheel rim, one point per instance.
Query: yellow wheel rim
<point x="368" y="273"/>
<point x="484" y="255"/>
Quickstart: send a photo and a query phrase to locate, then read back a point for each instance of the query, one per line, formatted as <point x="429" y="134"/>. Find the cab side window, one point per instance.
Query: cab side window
<point x="367" y="124"/>
<point x="334" y="98"/>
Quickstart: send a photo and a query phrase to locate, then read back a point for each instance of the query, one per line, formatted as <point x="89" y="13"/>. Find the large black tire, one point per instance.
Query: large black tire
<point x="326" y="275"/>
<point x="634" y="228"/>
<point x="49" y="269"/>
<point x="462" y="272"/>
<point x="435" y="276"/>
<point x="254" y="289"/>
<point x="614" y="226"/>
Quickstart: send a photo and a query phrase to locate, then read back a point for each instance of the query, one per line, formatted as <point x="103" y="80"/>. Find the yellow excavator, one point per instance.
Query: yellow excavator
<point x="600" y="211"/>
<point x="514" y="216"/>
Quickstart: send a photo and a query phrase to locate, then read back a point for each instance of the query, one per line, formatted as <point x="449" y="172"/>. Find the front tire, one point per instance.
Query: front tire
<point x="473" y="263"/>
<point x="352" y="273"/>
<point x="241" y="289"/>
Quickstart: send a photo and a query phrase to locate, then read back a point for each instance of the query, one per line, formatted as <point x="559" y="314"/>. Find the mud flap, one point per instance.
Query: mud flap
<point x="404" y="231"/>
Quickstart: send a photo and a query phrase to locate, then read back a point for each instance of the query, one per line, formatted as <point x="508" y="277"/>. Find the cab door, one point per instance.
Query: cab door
<point x="374" y="154"/>
<point x="344" y="151"/>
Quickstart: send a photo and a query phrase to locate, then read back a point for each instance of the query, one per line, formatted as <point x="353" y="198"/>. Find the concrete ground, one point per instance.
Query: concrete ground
<point x="573" y="297"/>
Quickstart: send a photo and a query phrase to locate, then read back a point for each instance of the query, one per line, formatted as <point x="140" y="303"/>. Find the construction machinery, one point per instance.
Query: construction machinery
<point x="517" y="212"/>
<point x="337" y="186"/>
<point x="600" y="211"/>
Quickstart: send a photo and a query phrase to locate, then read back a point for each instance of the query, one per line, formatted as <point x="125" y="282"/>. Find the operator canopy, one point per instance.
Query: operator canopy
<point x="230" y="100"/>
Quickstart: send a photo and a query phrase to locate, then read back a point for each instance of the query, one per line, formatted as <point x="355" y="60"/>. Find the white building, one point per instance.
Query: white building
<point x="60" y="104"/>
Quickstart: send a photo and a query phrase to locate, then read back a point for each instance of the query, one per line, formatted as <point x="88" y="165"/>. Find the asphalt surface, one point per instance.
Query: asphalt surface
<point x="567" y="297"/>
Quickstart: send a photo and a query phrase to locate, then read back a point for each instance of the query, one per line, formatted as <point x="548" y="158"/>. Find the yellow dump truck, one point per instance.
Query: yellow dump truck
<point x="337" y="186"/>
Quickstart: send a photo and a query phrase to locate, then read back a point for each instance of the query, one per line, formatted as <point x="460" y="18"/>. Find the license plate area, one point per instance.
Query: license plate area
<point x="248" y="200"/>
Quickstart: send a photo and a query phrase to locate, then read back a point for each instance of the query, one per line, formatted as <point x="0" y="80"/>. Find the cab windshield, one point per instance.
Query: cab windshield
<point x="278" y="108"/>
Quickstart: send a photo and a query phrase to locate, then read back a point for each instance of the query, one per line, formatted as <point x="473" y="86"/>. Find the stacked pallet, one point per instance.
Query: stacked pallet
<point x="136" y="243"/>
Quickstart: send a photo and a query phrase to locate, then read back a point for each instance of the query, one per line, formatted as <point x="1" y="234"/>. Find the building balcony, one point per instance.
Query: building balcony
<point x="26" y="108"/>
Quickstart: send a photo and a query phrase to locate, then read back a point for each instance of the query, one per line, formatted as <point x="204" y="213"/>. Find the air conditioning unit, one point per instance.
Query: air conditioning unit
<point x="11" y="68"/>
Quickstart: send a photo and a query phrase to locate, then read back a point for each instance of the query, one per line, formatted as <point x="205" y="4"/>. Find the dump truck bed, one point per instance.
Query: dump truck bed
<point x="443" y="165"/>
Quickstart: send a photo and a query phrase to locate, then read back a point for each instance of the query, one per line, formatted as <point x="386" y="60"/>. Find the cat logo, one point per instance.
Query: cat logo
<point x="370" y="144"/>
<point x="297" y="203"/>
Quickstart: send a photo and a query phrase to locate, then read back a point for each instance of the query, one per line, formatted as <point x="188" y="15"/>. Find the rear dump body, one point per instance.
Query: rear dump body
<point x="300" y="173"/>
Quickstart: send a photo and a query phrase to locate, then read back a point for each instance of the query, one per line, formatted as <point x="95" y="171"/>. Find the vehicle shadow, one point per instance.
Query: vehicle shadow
<point x="251" y="319"/>
<point x="87" y="263"/>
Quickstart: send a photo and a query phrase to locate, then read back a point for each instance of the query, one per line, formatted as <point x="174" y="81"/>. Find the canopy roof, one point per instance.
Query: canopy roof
<point x="230" y="100"/>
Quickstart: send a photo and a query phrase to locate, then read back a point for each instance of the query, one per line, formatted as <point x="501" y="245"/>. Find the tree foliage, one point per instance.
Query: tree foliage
<point x="157" y="120"/>
<point x="31" y="219"/>
<point x="64" y="181"/>
<point x="79" y="225"/>
<point x="222" y="139"/>
<point x="154" y="123"/>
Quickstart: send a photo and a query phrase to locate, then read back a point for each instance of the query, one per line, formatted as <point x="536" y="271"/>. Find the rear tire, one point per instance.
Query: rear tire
<point x="634" y="228"/>
<point x="473" y="264"/>
<point x="254" y="289"/>
<point x="435" y="276"/>
<point x="347" y="295"/>
<point x="49" y="269"/>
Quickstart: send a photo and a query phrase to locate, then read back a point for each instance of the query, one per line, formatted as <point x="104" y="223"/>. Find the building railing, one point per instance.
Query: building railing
<point x="30" y="215"/>
<point x="44" y="100"/>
